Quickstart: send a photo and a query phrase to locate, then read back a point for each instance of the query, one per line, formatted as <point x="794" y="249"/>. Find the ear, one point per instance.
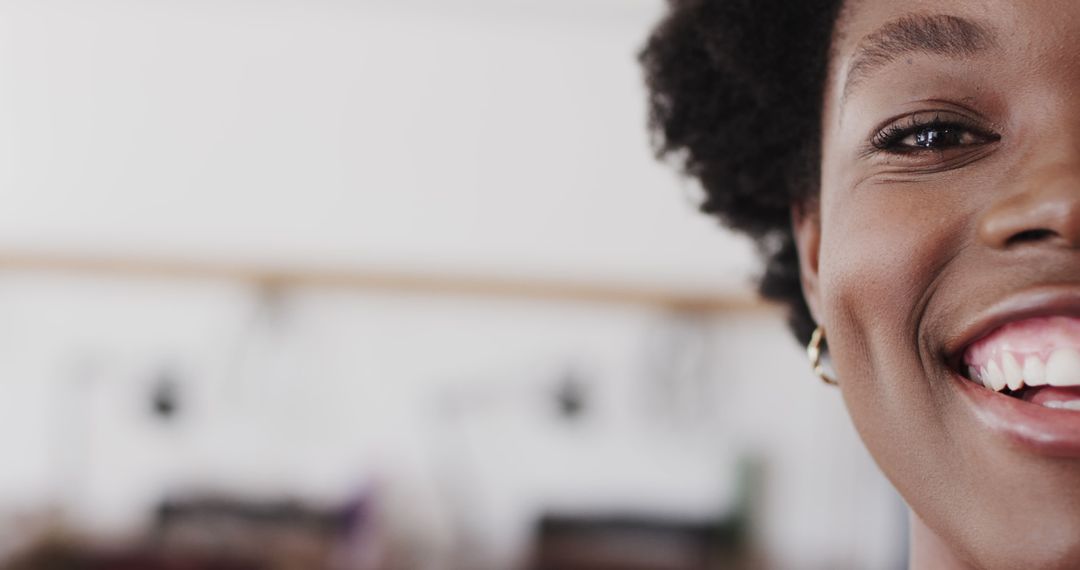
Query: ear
<point x="806" y="224"/>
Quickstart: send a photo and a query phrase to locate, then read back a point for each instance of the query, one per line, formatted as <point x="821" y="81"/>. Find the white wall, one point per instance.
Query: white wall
<point x="482" y="137"/>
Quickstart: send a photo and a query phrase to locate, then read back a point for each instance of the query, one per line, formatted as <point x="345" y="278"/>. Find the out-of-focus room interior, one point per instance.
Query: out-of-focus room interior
<point x="387" y="284"/>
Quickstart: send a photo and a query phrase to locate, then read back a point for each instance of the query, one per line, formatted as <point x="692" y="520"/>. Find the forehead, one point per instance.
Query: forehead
<point x="998" y="47"/>
<point x="1032" y="27"/>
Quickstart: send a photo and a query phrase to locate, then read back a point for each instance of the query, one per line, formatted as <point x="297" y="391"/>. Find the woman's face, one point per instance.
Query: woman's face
<point x="948" y="236"/>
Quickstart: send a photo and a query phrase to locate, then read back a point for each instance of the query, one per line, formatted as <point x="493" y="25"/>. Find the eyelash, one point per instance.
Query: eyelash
<point x="888" y="139"/>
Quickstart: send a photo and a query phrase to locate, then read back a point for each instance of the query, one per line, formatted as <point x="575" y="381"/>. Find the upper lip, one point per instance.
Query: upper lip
<point x="1038" y="302"/>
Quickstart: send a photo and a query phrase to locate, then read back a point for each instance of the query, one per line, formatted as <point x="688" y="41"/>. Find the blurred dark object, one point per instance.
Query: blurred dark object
<point x="571" y="396"/>
<point x="210" y="513"/>
<point x="165" y="396"/>
<point x="286" y="534"/>
<point x="639" y="542"/>
<point x="630" y="543"/>
<point x="60" y="553"/>
<point x="220" y="533"/>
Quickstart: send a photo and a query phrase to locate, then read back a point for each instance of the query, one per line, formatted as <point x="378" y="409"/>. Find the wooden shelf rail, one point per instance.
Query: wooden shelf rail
<point x="281" y="277"/>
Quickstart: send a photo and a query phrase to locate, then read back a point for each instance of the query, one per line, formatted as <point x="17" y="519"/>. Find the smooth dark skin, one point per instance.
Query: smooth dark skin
<point x="901" y="248"/>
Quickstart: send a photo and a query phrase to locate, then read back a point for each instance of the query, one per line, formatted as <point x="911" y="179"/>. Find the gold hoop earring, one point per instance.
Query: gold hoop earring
<point x="813" y="352"/>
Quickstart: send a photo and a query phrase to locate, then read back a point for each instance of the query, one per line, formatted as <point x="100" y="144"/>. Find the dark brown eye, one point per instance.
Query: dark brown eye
<point x="937" y="137"/>
<point x="913" y="136"/>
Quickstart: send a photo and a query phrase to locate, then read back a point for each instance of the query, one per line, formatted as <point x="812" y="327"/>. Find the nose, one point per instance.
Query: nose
<point x="1047" y="211"/>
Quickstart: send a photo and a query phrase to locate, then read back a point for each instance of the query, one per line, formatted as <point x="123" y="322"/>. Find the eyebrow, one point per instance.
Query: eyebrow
<point x="940" y="34"/>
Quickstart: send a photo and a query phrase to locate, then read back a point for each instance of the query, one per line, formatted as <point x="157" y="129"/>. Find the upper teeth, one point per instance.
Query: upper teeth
<point x="1062" y="368"/>
<point x="1034" y="371"/>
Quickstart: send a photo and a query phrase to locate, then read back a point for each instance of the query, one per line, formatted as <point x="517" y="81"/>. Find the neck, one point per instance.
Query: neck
<point x="928" y="550"/>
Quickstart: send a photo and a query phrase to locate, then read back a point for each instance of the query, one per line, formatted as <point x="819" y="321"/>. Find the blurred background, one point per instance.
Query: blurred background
<point x="387" y="284"/>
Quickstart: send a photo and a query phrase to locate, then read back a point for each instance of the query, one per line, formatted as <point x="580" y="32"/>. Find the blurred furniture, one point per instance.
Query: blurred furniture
<point x="636" y="543"/>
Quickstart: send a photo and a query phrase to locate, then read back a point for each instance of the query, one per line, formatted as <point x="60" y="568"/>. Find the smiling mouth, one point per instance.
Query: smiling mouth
<point x="1036" y="360"/>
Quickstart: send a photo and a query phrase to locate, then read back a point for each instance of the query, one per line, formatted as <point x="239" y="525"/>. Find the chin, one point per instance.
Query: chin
<point x="1053" y="544"/>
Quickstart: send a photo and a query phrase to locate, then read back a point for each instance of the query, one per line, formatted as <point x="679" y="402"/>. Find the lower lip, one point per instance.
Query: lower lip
<point x="1039" y="429"/>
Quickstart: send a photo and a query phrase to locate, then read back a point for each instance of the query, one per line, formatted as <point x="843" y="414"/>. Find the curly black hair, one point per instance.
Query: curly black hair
<point x="735" y="95"/>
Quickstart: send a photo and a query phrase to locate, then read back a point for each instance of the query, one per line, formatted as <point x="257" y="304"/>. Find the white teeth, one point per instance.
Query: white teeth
<point x="1034" y="371"/>
<point x="1069" y="405"/>
<point x="1014" y="376"/>
<point x="1063" y="368"/>
<point x="997" y="378"/>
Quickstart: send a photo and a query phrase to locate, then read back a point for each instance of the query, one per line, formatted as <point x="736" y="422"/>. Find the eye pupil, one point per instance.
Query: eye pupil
<point x="936" y="137"/>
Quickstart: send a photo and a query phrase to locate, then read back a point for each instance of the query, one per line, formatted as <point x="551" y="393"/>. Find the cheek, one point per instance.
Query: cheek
<point x="882" y="251"/>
